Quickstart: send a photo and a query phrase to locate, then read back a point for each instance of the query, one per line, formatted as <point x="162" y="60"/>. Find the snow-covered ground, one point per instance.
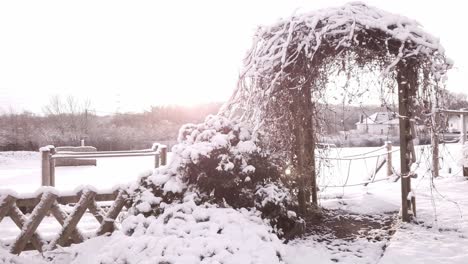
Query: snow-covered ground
<point x="229" y="236"/>
<point x="442" y="213"/>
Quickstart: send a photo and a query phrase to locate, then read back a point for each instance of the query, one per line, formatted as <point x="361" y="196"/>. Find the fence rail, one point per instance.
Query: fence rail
<point x="107" y="155"/>
<point x="50" y="155"/>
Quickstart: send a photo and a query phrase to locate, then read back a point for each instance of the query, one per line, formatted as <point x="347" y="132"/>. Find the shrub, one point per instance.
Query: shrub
<point x="221" y="162"/>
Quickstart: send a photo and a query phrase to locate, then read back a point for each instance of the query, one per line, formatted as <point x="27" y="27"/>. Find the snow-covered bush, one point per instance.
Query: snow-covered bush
<point x="185" y="233"/>
<point x="220" y="162"/>
<point x="7" y="257"/>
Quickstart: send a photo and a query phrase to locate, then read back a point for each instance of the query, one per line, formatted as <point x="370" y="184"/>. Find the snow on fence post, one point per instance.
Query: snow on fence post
<point x="388" y="146"/>
<point x="45" y="152"/>
<point x="163" y="154"/>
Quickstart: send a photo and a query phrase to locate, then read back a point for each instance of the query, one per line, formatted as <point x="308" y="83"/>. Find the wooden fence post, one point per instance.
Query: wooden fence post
<point x="45" y="166"/>
<point x="156" y="156"/>
<point x="435" y="143"/>
<point x="52" y="166"/>
<point x="388" y="145"/>
<point x="163" y="155"/>
<point x="156" y="160"/>
<point x="462" y="129"/>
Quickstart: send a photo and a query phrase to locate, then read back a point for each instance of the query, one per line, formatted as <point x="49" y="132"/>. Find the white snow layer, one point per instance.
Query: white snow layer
<point x="184" y="233"/>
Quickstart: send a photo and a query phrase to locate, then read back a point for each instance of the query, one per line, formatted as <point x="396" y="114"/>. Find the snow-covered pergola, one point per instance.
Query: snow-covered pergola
<point x="290" y="62"/>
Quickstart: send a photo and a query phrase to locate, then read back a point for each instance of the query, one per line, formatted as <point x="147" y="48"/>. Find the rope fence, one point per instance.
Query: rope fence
<point x="364" y="156"/>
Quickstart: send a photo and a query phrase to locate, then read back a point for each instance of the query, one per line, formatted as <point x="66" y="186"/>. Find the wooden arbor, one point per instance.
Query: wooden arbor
<point x="284" y="83"/>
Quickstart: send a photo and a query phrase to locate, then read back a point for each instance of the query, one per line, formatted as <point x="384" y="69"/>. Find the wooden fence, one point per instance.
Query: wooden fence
<point x="49" y="156"/>
<point x="48" y="203"/>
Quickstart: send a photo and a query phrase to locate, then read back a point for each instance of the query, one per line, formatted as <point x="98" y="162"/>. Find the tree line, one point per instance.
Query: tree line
<point x="65" y="122"/>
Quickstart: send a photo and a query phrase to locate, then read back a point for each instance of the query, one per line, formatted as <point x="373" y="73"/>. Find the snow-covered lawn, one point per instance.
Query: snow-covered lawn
<point x="440" y="235"/>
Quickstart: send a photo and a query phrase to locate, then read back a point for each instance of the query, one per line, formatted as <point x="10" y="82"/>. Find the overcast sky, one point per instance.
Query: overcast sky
<point x="128" y="55"/>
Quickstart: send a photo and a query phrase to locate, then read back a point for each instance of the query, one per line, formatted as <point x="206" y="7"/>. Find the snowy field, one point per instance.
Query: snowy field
<point x="439" y="236"/>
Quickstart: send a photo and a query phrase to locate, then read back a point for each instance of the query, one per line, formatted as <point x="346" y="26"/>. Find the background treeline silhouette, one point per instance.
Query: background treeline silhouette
<point x="66" y="122"/>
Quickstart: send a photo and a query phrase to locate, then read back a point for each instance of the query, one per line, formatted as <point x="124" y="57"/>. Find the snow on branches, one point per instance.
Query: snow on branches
<point x="282" y="51"/>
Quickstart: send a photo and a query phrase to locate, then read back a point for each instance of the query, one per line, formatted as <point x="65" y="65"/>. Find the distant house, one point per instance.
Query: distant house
<point x="454" y="123"/>
<point x="380" y="123"/>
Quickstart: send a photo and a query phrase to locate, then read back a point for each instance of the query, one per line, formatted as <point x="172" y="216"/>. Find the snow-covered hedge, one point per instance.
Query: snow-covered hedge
<point x="219" y="161"/>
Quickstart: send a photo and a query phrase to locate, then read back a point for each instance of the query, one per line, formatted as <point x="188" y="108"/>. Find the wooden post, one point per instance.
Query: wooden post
<point x="52" y="167"/>
<point x="407" y="85"/>
<point x="462" y="129"/>
<point x="163" y="155"/>
<point x="435" y="143"/>
<point x="156" y="156"/>
<point x="45" y="167"/>
<point x="156" y="160"/>
<point x="313" y="177"/>
<point x="388" y="146"/>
